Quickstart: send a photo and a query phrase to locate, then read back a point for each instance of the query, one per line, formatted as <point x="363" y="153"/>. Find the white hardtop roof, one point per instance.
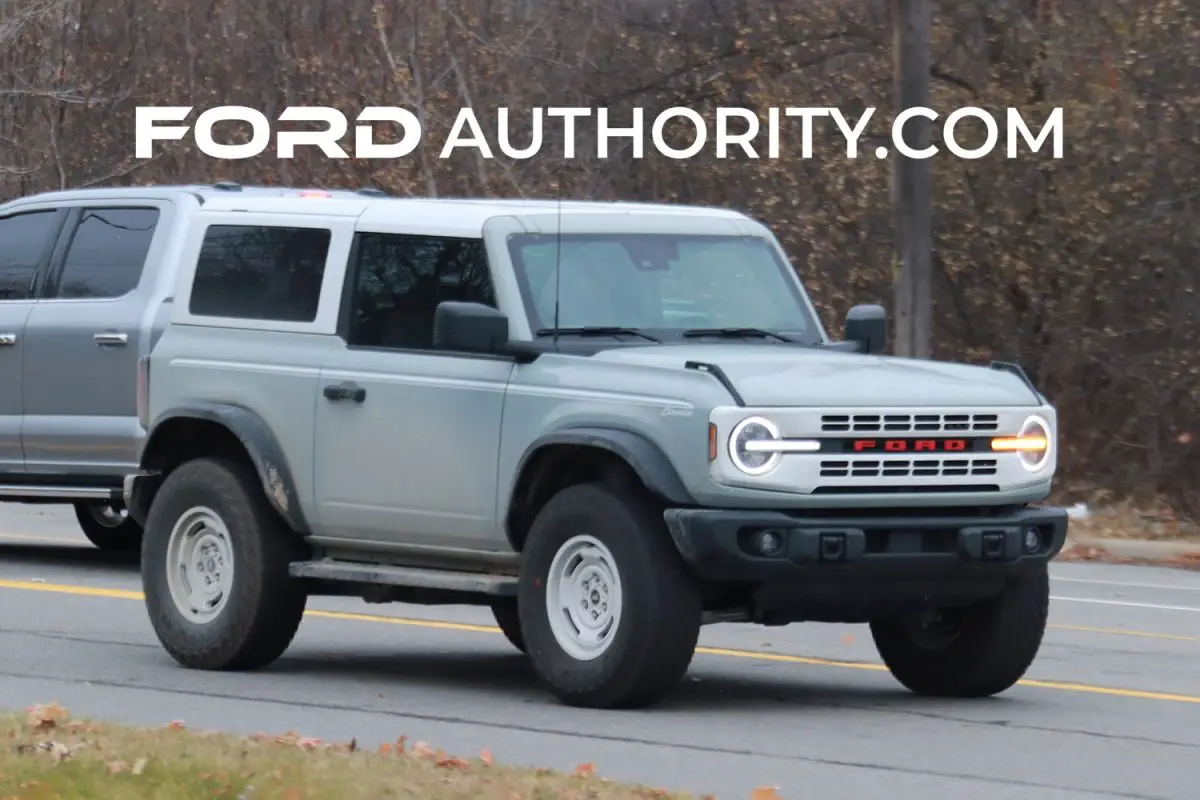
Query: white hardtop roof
<point x="447" y="216"/>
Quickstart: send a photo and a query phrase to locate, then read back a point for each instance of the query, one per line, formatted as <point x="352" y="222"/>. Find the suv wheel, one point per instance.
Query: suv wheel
<point x="976" y="651"/>
<point x="215" y="569"/>
<point x="509" y="621"/>
<point x="109" y="527"/>
<point x="609" y="610"/>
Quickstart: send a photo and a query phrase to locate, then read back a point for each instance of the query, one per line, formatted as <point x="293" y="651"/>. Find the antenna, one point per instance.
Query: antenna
<point x="557" y="257"/>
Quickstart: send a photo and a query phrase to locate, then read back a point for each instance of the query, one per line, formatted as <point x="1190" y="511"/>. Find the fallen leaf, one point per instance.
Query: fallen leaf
<point x="139" y="766"/>
<point x="385" y="749"/>
<point x="452" y="763"/>
<point x="44" y="717"/>
<point x="177" y="725"/>
<point x="401" y="744"/>
<point x="485" y="756"/>
<point x="422" y="750"/>
<point x="765" y="793"/>
<point x="117" y="767"/>
<point x="584" y="770"/>
<point x="310" y="744"/>
<point x="58" y="751"/>
<point x="293" y="793"/>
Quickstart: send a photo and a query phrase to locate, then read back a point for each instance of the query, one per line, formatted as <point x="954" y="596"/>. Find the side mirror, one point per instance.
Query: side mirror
<point x="867" y="325"/>
<point x="470" y="328"/>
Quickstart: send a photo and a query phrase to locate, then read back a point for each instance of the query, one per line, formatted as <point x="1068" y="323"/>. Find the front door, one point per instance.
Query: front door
<point x="26" y="239"/>
<point x="407" y="438"/>
<point x="81" y="416"/>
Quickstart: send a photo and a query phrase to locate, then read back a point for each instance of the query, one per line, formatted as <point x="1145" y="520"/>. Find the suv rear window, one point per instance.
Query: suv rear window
<point x="260" y="272"/>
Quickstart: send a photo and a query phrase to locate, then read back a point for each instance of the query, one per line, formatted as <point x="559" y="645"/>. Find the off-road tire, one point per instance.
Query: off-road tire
<point x="123" y="539"/>
<point x="997" y="643"/>
<point x="509" y="621"/>
<point x="656" y="635"/>
<point x="265" y="604"/>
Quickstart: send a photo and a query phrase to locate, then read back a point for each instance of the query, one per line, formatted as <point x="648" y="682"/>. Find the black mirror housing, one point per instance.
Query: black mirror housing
<point x="469" y="328"/>
<point x="867" y="325"/>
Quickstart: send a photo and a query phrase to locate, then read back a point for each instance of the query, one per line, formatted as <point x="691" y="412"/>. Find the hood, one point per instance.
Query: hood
<point x="769" y="375"/>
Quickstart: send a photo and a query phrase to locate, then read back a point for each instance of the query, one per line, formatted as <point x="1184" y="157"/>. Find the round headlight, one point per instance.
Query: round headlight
<point x="742" y="450"/>
<point x="1033" y="430"/>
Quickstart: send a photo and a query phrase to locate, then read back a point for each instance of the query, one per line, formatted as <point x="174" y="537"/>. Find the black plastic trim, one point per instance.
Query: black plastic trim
<point x="260" y="442"/>
<point x="888" y="546"/>
<point x="1019" y="371"/>
<point x="719" y="374"/>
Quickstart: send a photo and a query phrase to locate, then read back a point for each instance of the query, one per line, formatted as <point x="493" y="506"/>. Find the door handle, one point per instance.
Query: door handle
<point x="345" y="391"/>
<point x="8" y="339"/>
<point x="110" y="338"/>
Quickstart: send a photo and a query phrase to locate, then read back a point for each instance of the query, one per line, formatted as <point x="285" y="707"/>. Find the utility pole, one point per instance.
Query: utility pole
<point x="912" y="186"/>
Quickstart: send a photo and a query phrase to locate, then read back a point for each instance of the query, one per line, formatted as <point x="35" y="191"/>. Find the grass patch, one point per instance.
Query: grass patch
<point x="46" y="754"/>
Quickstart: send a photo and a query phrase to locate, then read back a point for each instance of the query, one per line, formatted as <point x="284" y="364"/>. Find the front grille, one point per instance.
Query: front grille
<point x="908" y="423"/>
<point x="905" y="468"/>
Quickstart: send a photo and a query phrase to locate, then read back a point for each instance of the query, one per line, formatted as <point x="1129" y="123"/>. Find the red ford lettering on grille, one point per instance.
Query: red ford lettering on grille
<point x="910" y="445"/>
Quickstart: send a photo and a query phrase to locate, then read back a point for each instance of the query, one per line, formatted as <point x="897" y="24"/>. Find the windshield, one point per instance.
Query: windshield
<point x="661" y="283"/>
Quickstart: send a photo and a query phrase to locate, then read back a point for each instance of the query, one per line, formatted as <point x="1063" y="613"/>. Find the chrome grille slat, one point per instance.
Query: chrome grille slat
<point x="949" y="422"/>
<point x="951" y="466"/>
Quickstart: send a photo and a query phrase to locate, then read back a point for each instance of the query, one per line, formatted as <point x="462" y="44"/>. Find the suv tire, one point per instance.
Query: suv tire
<point x="509" y="621"/>
<point x="621" y="550"/>
<point x="221" y="503"/>
<point x="109" y="528"/>
<point x="986" y="652"/>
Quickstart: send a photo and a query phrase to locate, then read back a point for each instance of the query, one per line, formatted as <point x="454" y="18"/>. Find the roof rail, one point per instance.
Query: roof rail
<point x="227" y="186"/>
<point x="371" y="191"/>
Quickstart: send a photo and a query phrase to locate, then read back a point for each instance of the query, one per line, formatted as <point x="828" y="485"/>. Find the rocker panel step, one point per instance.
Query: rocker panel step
<point x="415" y="577"/>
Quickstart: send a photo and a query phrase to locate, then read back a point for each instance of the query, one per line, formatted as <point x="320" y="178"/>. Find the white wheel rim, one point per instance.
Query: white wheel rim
<point x="583" y="598"/>
<point x="199" y="565"/>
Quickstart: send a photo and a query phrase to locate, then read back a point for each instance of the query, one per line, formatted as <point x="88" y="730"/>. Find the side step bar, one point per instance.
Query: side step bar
<point x="413" y="577"/>
<point x="64" y="492"/>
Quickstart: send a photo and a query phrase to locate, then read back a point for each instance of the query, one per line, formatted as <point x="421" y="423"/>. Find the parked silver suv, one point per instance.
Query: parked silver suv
<point x="83" y="274"/>
<point x="611" y="423"/>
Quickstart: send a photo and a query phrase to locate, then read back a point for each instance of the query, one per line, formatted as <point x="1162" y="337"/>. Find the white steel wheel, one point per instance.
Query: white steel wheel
<point x="199" y="565"/>
<point x="583" y="598"/>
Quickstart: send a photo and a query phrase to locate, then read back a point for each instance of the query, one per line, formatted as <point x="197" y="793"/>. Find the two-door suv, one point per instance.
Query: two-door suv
<point x="612" y="423"/>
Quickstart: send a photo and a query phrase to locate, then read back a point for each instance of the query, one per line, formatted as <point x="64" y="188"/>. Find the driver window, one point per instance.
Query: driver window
<point x="399" y="281"/>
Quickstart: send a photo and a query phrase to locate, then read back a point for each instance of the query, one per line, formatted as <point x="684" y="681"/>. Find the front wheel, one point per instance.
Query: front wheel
<point x="215" y="569"/>
<point x="109" y="527"/>
<point x="977" y="651"/>
<point x="509" y="621"/>
<point x="610" y="613"/>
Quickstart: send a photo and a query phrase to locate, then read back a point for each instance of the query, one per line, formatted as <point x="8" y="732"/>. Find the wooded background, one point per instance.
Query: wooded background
<point x="1083" y="269"/>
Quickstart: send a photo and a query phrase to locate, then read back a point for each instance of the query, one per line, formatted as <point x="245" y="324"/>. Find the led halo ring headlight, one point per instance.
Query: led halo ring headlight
<point x="754" y="429"/>
<point x="1034" y="459"/>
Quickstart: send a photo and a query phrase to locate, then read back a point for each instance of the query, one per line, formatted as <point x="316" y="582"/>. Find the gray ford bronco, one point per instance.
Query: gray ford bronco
<point x="611" y="423"/>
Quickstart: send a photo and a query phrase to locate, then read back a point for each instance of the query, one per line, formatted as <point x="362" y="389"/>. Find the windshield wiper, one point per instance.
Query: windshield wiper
<point x="595" y="330"/>
<point x="737" y="333"/>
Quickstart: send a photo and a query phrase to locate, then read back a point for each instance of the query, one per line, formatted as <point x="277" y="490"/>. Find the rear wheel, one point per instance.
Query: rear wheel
<point x="976" y="651"/>
<point x="609" y="611"/>
<point x="109" y="527"/>
<point x="215" y="569"/>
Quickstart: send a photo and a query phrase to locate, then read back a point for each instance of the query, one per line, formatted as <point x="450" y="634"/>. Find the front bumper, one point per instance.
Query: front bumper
<point x="718" y="544"/>
<point x="856" y="567"/>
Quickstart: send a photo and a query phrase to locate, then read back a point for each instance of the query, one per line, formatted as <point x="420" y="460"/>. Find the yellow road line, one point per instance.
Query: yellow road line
<point x="1064" y="686"/>
<point x="1173" y="637"/>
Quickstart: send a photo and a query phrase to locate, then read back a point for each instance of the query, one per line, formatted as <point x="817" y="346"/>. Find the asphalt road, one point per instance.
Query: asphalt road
<point x="1111" y="707"/>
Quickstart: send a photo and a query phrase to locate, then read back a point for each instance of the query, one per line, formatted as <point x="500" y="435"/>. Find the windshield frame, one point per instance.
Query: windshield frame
<point x="812" y="332"/>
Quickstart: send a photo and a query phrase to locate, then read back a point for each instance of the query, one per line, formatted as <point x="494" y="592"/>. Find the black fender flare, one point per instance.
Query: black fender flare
<point x="260" y="443"/>
<point x="644" y="457"/>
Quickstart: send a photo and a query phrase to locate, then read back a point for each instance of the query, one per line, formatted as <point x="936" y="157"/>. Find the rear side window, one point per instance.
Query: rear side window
<point x="107" y="252"/>
<point x="25" y="240"/>
<point x="260" y="272"/>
